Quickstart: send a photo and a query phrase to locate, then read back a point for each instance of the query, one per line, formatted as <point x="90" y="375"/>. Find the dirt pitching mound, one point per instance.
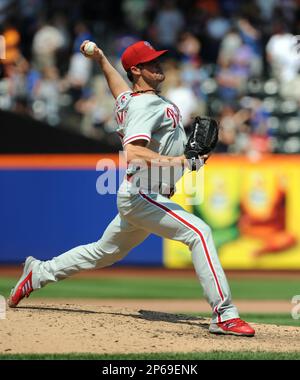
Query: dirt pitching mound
<point x="67" y="328"/>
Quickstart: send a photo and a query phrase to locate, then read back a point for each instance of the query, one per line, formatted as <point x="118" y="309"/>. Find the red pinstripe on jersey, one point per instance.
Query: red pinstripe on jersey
<point x="136" y="137"/>
<point x="199" y="233"/>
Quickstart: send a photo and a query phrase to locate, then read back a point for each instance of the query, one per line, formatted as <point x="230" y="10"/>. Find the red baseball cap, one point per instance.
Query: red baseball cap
<point x="140" y="52"/>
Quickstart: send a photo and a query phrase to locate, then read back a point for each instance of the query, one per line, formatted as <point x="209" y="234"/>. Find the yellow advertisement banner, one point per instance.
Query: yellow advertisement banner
<point x="253" y="209"/>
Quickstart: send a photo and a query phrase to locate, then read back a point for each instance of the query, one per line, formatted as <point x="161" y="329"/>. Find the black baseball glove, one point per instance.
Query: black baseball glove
<point x="203" y="140"/>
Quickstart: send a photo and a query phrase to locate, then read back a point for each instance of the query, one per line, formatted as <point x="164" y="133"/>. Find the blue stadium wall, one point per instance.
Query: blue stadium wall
<point x="49" y="204"/>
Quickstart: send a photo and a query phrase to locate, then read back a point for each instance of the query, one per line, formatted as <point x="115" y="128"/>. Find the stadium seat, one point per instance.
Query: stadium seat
<point x="273" y="124"/>
<point x="292" y="125"/>
<point x="271" y="87"/>
<point x="290" y="145"/>
<point x="255" y="87"/>
<point x="270" y="104"/>
<point x="289" y="107"/>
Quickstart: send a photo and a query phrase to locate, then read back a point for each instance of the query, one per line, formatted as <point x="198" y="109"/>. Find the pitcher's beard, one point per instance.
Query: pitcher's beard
<point x="156" y="80"/>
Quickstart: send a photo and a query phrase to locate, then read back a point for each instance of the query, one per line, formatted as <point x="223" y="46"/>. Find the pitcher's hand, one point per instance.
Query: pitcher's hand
<point x="97" y="55"/>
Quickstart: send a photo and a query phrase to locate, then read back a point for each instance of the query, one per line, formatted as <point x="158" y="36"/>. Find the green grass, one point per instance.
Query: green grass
<point x="279" y="319"/>
<point x="215" y="355"/>
<point x="149" y="288"/>
<point x="273" y="319"/>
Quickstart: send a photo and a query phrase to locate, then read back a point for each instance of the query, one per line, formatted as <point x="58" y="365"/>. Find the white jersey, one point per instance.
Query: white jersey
<point x="155" y="119"/>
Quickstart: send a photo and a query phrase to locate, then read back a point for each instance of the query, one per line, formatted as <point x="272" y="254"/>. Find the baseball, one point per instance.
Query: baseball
<point x="89" y="48"/>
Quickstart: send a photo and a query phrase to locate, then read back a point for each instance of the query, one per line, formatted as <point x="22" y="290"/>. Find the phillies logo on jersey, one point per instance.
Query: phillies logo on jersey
<point x="173" y="113"/>
<point x="121" y="102"/>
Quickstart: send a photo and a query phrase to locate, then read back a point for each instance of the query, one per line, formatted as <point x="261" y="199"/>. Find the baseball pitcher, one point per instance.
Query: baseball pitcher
<point x="152" y="135"/>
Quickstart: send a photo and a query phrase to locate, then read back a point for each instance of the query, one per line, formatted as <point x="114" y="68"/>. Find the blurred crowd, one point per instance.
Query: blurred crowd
<point x="235" y="60"/>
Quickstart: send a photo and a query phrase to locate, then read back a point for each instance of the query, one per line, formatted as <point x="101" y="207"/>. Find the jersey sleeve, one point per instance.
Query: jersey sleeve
<point x="140" y="123"/>
<point x="122" y="100"/>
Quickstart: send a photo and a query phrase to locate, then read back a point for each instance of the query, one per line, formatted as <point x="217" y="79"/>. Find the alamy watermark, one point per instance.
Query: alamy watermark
<point x="295" y="313"/>
<point x="2" y="307"/>
<point x="153" y="177"/>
